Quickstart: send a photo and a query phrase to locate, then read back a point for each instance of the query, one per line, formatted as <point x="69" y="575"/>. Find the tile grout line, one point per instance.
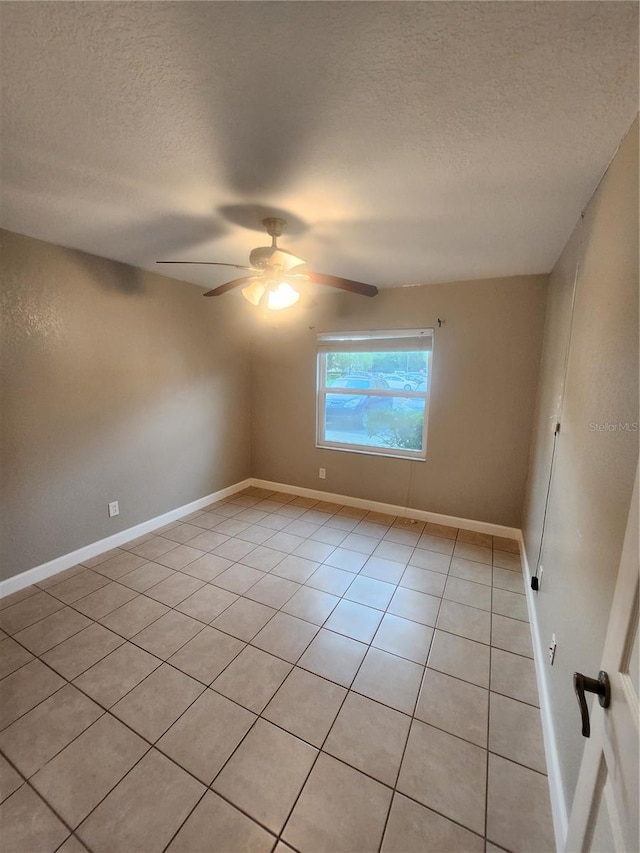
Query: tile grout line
<point x="204" y="625"/>
<point x="205" y="687"/>
<point x="258" y="716"/>
<point x="320" y="749"/>
<point x="318" y="628"/>
<point x="486" y="792"/>
<point x="413" y="717"/>
<point x="151" y="745"/>
<point x="208" y="787"/>
<point x="132" y="638"/>
<point x="142" y="592"/>
<point x="27" y="781"/>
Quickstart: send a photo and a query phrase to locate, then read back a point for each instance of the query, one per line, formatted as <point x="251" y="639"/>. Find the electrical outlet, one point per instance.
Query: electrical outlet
<point x="540" y="573"/>
<point x="552" y="649"/>
<point x="114" y="509"/>
<point x="322" y="473"/>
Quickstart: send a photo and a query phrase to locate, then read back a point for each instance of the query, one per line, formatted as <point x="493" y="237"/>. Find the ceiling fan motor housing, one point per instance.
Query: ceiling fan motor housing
<point x="264" y="256"/>
<point x="259" y="258"/>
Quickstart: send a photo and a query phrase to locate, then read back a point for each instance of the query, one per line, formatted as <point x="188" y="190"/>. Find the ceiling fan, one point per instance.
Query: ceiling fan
<point x="274" y="272"/>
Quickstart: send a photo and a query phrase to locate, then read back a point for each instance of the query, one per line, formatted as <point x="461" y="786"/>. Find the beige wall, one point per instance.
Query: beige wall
<point x="550" y="390"/>
<point x="117" y="385"/>
<point x="593" y="470"/>
<point x="484" y="381"/>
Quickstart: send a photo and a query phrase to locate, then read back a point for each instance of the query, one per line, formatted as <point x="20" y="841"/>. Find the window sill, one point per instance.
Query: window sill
<point x="389" y="453"/>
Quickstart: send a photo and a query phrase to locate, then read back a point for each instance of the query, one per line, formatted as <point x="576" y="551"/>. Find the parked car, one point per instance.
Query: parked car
<point x="397" y="381"/>
<point x="416" y="378"/>
<point x="354" y="408"/>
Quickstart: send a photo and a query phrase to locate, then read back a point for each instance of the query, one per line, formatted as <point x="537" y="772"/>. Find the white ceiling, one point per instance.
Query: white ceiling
<point x="407" y="142"/>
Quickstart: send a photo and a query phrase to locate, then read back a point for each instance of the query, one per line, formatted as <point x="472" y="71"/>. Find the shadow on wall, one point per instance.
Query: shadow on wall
<point x="159" y="239"/>
<point x="155" y="240"/>
<point x="111" y="275"/>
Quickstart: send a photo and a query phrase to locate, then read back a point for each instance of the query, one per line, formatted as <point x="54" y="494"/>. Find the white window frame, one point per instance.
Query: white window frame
<point x="381" y="340"/>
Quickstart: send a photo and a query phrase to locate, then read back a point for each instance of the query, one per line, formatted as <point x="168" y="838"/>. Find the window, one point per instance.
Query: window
<point x="373" y="391"/>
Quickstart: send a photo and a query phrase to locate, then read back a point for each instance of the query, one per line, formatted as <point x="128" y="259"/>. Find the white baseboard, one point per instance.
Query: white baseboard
<point x="66" y="561"/>
<point x="558" y="802"/>
<point x="391" y="509"/>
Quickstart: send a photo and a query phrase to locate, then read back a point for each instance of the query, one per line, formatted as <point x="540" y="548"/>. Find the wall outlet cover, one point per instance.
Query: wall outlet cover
<point x="114" y="509"/>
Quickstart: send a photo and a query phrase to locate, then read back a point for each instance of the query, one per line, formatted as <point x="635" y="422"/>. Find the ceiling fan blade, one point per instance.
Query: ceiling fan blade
<point x="294" y="276"/>
<point x="211" y="264"/>
<point x="358" y="287"/>
<point x="230" y="285"/>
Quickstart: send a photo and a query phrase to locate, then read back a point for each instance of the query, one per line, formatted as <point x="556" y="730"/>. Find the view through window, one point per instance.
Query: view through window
<point x="373" y="391"/>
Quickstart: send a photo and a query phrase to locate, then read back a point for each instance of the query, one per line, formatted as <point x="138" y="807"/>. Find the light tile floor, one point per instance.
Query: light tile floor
<point x="275" y="673"/>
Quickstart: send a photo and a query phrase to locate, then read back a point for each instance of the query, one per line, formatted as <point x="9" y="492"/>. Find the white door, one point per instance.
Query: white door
<point x="604" y="817"/>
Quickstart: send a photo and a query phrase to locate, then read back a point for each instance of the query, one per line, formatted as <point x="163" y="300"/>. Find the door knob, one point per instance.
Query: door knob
<point x="600" y="686"/>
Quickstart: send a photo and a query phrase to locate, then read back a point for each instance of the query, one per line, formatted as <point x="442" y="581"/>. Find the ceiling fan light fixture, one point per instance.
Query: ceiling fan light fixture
<point x="283" y="296"/>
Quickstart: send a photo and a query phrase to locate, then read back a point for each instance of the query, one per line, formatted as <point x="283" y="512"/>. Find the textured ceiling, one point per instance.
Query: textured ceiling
<point x="407" y="142"/>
